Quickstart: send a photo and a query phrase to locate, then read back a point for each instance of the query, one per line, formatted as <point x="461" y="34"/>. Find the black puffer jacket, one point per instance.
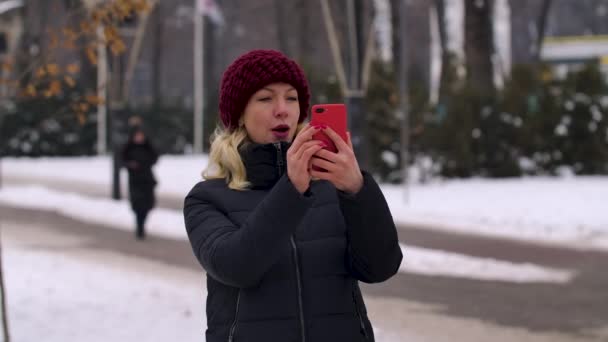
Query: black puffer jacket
<point x="282" y="266"/>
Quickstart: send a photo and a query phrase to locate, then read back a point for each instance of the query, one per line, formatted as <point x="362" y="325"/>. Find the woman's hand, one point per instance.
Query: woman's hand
<point x="298" y="157"/>
<point x="342" y="168"/>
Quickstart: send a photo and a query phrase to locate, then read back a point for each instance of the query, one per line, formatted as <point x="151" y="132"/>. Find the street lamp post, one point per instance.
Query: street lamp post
<point x="199" y="90"/>
<point x="117" y="102"/>
<point x="403" y="96"/>
<point x="355" y="95"/>
<point x="102" y="87"/>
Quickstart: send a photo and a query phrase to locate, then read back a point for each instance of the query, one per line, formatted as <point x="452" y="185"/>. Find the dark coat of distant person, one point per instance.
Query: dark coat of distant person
<point x="138" y="157"/>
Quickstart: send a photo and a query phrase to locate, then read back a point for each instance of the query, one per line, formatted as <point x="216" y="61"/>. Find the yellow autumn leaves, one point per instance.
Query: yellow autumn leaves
<point x="47" y="78"/>
<point x="82" y="106"/>
<point x="110" y="16"/>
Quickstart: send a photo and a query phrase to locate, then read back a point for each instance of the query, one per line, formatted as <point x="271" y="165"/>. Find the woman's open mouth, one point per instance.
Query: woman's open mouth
<point x="281" y="131"/>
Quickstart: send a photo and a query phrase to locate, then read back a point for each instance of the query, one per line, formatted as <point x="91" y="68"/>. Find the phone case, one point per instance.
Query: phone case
<point x="333" y="116"/>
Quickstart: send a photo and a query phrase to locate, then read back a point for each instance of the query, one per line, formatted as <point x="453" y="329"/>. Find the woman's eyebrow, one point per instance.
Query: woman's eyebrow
<point x="272" y="90"/>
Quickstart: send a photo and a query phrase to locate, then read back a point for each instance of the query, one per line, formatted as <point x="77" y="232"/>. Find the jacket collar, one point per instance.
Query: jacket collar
<point x="265" y="163"/>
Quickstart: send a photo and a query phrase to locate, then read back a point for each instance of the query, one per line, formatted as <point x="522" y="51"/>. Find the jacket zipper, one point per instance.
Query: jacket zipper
<point x="236" y="315"/>
<point x="294" y="247"/>
<point x="359" y="315"/>
<point x="299" y="285"/>
<point x="280" y="161"/>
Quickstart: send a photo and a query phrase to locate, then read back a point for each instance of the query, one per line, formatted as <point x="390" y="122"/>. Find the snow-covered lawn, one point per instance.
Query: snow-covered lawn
<point x="569" y="211"/>
<point x="62" y="290"/>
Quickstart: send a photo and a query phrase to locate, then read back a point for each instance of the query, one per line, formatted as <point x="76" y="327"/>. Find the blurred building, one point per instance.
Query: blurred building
<point x="577" y="32"/>
<point x="565" y="18"/>
<point x="568" y="53"/>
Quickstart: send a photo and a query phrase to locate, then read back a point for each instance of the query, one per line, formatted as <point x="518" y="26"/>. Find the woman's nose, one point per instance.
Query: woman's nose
<point x="280" y="109"/>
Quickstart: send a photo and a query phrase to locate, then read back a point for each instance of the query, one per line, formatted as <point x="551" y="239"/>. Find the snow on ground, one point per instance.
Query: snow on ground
<point x="57" y="298"/>
<point x="175" y="174"/>
<point x="59" y="290"/>
<point x="434" y="262"/>
<point x="568" y="211"/>
<point x="161" y="222"/>
<point x="170" y="223"/>
<point x="69" y="294"/>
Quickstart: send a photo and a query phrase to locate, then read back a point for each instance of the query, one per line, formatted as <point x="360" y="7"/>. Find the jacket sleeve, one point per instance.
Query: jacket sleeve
<point x="374" y="254"/>
<point x="240" y="256"/>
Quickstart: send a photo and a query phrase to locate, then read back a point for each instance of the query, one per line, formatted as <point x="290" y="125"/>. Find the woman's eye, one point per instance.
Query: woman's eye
<point x="264" y="99"/>
<point x="292" y="98"/>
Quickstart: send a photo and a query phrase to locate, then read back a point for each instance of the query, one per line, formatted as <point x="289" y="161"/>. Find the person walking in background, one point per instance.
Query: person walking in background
<point x="138" y="157"/>
<point x="284" y="246"/>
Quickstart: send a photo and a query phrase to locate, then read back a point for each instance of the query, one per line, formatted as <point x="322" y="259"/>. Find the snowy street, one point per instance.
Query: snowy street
<point x="71" y="281"/>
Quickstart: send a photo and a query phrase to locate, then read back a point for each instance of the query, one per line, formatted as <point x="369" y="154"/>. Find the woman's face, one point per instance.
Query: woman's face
<point x="272" y="114"/>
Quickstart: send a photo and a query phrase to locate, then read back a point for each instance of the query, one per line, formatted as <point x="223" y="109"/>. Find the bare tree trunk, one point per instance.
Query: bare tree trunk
<point x="304" y="39"/>
<point x="541" y="28"/>
<point x="5" y="331"/>
<point x="279" y="6"/>
<point x="440" y="5"/>
<point x="157" y="54"/>
<point x="447" y="59"/>
<point x="395" y="37"/>
<point x="479" y="46"/>
<point x="3" y="306"/>
<point x="134" y="54"/>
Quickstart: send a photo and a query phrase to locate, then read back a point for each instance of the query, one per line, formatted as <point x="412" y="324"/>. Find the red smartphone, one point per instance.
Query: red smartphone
<point x="333" y="116"/>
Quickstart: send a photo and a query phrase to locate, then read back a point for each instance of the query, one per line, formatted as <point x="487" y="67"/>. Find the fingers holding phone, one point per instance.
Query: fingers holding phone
<point x="337" y="162"/>
<point x="299" y="155"/>
<point x="340" y="168"/>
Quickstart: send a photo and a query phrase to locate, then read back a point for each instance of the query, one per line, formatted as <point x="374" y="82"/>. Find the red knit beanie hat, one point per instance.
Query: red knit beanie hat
<point x="251" y="72"/>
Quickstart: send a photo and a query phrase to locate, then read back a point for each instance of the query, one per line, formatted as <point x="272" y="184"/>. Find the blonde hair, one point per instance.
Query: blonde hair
<point x="225" y="159"/>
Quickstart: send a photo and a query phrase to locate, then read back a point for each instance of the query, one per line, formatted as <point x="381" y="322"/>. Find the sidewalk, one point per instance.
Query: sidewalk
<point x="406" y="308"/>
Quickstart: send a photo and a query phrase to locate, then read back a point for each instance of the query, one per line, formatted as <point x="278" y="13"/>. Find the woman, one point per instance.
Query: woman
<point x="139" y="156"/>
<point x="284" y="253"/>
